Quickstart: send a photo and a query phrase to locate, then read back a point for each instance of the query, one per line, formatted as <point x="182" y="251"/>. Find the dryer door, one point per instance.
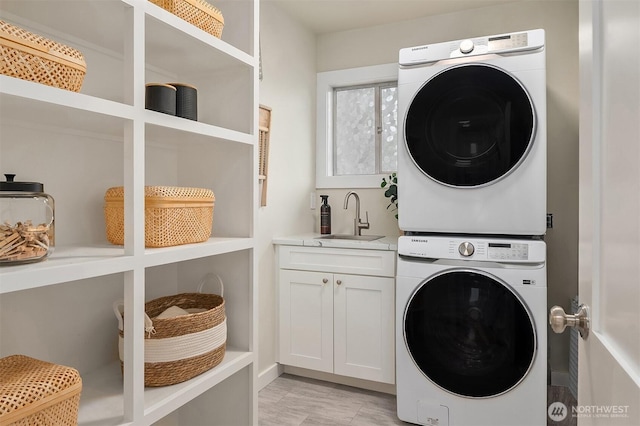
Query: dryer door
<point x="469" y="333"/>
<point x="470" y="125"/>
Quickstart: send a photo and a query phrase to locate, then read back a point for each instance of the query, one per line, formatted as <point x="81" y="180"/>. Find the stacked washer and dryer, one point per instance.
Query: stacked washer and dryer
<point x="471" y="297"/>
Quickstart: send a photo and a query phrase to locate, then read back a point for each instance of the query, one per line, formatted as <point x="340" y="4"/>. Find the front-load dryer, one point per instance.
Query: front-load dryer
<point x="473" y="120"/>
<point x="471" y="331"/>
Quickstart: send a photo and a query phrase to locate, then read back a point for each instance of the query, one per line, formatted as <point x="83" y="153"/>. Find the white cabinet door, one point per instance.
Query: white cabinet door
<point x="306" y="319"/>
<point x="364" y="327"/>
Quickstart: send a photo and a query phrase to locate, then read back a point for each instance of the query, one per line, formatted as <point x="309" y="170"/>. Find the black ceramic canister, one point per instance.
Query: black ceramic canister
<point x="160" y="97"/>
<point x="186" y="101"/>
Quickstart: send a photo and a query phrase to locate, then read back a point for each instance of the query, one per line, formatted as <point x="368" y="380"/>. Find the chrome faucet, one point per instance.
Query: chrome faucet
<point x="358" y="224"/>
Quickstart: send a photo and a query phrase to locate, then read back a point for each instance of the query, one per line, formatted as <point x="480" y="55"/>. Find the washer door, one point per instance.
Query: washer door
<point x="469" y="333"/>
<point x="469" y="125"/>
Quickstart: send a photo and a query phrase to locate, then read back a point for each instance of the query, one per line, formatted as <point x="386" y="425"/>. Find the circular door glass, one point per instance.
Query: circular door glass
<point x="469" y="334"/>
<point x="469" y="125"/>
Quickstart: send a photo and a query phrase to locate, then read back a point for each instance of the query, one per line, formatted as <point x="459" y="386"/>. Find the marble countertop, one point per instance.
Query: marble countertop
<point x="312" y="240"/>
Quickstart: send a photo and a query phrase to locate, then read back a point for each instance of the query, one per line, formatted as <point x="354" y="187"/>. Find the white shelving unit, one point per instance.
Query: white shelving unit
<point x="79" y="145"/>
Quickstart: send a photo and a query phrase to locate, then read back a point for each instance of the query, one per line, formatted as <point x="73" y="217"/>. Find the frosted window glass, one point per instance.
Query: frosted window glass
<point x="389" y="139"/>
<point x="355" y="132"/>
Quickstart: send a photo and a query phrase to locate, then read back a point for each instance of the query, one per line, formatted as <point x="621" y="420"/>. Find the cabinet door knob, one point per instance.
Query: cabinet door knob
<point x="339" y="282"/>
<point x="324" y="281"/>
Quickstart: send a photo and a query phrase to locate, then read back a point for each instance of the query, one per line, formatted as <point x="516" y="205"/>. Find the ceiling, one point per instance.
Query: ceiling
<point x="325" y="16"/>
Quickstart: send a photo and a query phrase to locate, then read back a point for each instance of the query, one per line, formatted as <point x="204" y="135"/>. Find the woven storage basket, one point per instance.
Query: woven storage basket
<point x="196" y="12"/>
<point x="35" y="58"/>
<point x="180" y="348"/>
<point x="173" y="215"/>
<point x="34" y="392"/>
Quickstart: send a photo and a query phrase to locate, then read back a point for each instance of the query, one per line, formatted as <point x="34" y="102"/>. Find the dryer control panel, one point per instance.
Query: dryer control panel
<point x="496" y="44"/>
<point x="464" y="248"/>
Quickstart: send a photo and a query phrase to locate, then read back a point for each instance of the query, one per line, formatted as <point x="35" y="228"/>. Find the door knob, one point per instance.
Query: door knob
<point x="559" y="320"/>
<point x="339" y="282"/>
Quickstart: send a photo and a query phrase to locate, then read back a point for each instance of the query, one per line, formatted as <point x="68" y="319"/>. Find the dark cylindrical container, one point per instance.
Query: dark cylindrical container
<point x="160" y="97"/>
<point x="325" y="216"/>
<point x="186" y="101"/>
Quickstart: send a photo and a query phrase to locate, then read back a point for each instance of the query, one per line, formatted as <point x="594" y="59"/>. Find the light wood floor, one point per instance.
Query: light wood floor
<point x="298" y="401"/>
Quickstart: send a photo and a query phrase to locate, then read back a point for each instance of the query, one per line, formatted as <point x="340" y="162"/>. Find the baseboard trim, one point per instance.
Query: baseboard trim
<point x="269" y="374"/>
<point x="343" y="380"/>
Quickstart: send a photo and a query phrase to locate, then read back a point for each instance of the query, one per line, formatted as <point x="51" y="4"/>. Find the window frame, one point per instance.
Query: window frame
<point x="326" y="82"/>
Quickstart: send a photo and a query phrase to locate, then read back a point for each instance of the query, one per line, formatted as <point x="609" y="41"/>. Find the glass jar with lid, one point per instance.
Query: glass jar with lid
<point x="26" y="222"/>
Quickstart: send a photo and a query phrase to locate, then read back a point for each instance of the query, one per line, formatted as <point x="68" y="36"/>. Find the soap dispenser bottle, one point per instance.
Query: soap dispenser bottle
<point x="325" y="215"/>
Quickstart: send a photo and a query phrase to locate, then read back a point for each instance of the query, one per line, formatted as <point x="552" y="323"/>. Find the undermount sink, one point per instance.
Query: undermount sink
<point x="350" y="237"/>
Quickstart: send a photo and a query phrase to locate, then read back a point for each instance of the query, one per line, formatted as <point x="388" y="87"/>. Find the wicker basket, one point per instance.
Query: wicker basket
<point x="35" y="58"/>
<point x="34" y="392"/>
<point x="173" y="215"/>
<point x="180" y="348"/>
<point x="196" y="12"/>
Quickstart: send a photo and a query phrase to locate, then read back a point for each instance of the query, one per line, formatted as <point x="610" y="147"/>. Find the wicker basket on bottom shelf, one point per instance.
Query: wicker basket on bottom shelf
<point x="182" y="347"/>
<point x="34" y="392"/>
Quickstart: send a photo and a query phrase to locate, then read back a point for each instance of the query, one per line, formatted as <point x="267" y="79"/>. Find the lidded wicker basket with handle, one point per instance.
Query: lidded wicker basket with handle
<point x="173" y="215"/>
<point x="197" y="12"/>
<point x="32" y="57"/>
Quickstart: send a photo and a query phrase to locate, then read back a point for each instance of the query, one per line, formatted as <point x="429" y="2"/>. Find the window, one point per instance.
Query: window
<point x="365" y="129"/>
<point x="357" y="133"/>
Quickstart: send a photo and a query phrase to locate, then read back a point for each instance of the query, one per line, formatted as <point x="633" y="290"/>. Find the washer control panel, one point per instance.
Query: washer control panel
<point x="507" y="251"/>
<point x="465" y="248"/>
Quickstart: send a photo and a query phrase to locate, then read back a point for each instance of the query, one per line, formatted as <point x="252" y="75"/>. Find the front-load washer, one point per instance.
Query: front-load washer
<point x="471" y="333"/>
<point x="473" y="121"/>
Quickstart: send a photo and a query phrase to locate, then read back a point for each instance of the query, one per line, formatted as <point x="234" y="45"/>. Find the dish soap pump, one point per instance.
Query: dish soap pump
<point x="325" y="215"/>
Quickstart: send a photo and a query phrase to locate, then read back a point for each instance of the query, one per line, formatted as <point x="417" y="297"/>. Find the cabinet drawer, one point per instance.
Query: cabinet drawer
<point x="347" y="261"/>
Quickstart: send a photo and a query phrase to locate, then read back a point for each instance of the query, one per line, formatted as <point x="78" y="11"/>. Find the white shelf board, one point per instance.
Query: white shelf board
<point x="101" y="402"/>
<point x="65" y="264"/>
<point x="167" y="127"/>
<point x="166" y="49"/>
<point x="75" y="263"/>
<point x="211" y="247"/>
<point x="163" y="400"/>
<point x="29" y="102"/>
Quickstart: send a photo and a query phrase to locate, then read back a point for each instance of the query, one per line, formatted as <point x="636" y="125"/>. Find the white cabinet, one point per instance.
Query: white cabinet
<point x="80" y="144"/>
<point x="336" y="311"/>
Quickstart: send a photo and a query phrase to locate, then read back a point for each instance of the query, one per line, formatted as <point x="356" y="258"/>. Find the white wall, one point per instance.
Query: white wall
<point x="379" y="45"/>
<point x="292" y="56"/>
<point x="288" y="87"/>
